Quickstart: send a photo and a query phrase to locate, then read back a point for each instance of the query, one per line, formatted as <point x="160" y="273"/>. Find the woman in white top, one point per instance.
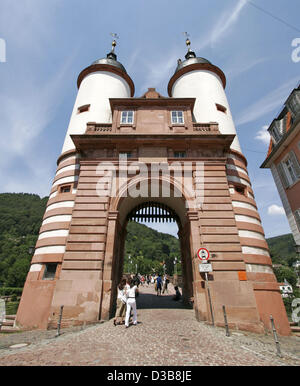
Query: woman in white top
<point x="131" y="303"/>
<point x="121" y="302"/>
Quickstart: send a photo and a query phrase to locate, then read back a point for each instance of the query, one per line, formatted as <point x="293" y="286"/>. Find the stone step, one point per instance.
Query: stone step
<point x="295" y="329"/>
<point x="7" y="323"/>
<point x="8" y="330"/>
<point x="10" y="317"/>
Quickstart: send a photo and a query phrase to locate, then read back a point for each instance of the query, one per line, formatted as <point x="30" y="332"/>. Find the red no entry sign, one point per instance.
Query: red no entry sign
<point x="203" y="254"/>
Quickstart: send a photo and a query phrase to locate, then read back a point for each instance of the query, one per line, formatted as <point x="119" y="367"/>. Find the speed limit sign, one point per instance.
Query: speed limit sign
<point x="203" y="254"/>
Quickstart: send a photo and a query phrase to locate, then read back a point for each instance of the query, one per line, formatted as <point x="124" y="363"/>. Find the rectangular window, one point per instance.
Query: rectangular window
<point x="50" y="271"/>
<point x="65" y="189"/>
<point x="124" y="155"/>
<point x="179" y="154"/>
<point x="177" y="117"/>
<point x="275" y="134"/>
<point x="291" y="168"/>
<point x="282" y="174"/>
<point x="82" y="109"/>
<point x="239" y="189"/>
<point x="293" y="103"/>
<point x="127" y="117"/>
<point x="221" y="108"/>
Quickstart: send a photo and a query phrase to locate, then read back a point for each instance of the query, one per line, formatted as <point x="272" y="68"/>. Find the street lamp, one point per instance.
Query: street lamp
<point x="175" y="265"/>
<point x="130" y="262"/>
<point x="175" y="271"/>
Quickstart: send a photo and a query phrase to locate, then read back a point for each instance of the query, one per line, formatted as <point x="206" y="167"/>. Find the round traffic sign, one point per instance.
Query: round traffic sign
<point x="203" y="254"/>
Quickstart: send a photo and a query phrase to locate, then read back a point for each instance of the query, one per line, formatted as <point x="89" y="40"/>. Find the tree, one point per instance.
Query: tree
<point x="287" y="273"/>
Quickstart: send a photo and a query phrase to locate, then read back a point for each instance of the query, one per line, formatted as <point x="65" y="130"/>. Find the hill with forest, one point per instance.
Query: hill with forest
<point x="149" y="250"/>
<point x="20" y="220"/>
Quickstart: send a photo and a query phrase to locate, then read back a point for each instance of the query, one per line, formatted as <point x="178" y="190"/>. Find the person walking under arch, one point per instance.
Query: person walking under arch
<point x="165" y="284"/>
<point x="131" y="303"/>
<point x="121" y="303"/>
<point x="158" y="284"/>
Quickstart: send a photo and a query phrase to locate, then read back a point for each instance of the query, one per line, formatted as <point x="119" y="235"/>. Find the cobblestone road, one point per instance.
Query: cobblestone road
<point x="167" y="335"/>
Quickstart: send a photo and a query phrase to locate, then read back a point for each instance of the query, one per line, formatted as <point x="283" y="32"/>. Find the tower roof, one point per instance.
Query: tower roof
<point x="111" y="57"/>
<point x="191" y="63"/>
<point x="109" y="64"/>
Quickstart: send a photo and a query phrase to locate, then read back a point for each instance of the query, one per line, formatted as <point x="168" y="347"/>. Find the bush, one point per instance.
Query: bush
<point x="288" y="301"/>
<point x="9" y="291"/>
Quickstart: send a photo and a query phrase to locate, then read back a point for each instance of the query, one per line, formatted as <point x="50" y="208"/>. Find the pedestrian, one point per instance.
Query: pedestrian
<point x="131" y="303"/>
<point x="177" y="295"/>
<point x="158" y="285"/>
<point x="165" y="284"/>
<point x="136" y="280"/>
<point x="121" y="303"/>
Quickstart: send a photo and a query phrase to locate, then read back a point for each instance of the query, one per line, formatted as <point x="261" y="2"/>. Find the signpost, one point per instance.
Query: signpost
<point x="203" y="256"/>
<point x="205" y="267"/>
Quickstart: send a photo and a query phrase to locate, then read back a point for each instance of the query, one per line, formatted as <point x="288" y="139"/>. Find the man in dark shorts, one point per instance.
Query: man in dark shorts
<point x="158" y="285"/>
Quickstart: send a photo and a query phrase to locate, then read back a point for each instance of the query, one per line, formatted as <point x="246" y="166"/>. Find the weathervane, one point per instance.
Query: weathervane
<point x="114" y="43"/>
<point x="187" y="41"/>
<point x="190" y="54"/>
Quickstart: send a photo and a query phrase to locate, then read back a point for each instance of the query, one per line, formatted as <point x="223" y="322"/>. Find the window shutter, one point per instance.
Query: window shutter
<point x="282" y="175"/>
<point x="295" y="163"/>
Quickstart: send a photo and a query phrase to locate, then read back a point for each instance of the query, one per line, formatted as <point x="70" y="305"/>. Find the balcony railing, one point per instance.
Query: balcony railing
<point x="206" y="127"/>
<point x="94" y="128"/>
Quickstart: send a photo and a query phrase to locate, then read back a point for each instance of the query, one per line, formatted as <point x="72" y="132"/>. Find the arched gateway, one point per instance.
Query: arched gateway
<point x="123" y="156"/>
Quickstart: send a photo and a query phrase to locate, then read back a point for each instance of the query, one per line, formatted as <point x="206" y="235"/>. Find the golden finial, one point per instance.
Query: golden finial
<point x="187" y="41"/>
<point x="114" y="43"/>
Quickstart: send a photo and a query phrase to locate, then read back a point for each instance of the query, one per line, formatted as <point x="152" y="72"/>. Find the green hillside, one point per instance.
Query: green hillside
<point x="149" y="249"/>
<point x="20" y="219"/>
<point x="282" y="249"/>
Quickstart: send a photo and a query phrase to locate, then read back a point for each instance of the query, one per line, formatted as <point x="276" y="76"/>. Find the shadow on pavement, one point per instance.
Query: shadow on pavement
<point x="148" y="301"/>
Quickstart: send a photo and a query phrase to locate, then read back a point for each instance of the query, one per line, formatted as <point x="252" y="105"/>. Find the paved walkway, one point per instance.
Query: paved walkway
<point x="167" y="335"/>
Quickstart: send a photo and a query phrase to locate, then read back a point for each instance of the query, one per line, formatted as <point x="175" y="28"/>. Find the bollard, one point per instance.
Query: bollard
<point x="209" y="298"/>
<point x="226" y="324"/>
<point x="275" y="337"/>
<point x="59" y="321"/>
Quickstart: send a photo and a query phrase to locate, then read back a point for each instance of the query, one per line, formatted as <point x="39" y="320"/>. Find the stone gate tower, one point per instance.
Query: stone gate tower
<point x="79" y="253"/>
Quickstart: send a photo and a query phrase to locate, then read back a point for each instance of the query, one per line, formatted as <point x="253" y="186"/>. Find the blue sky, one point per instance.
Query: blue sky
<point x="48" y="43"/>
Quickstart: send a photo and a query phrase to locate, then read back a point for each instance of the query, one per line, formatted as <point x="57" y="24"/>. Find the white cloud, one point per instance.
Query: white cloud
<point x="263" y="135"/>
<point x="158" y="71"/>
<point x="169" y="228"/>
<point x="30" y="102"/>
<point x="226" y="21"/>
<point x="267" y="104"/>
<point x="274" y="210"/>
<point x="235" y="71"/>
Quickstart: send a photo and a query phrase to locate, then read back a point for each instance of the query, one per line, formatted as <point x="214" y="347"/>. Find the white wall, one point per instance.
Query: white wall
<point x="208" y="90"/>
<point x="95" y="89"/>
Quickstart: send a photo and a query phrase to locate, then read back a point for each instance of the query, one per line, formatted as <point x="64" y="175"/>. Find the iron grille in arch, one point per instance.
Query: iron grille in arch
<point x="154" y="212"/>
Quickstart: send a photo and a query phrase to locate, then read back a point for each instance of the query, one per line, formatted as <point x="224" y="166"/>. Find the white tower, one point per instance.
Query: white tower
<point x="105" y="78"/>
<point x="198" y="78"/>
